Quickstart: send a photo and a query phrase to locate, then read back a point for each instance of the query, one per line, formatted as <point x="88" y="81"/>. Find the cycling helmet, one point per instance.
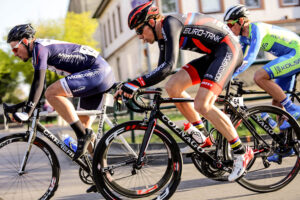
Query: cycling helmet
<point x="141" y="14"/>
<point x="20" y="31"/>
<point x="236" y="12"/>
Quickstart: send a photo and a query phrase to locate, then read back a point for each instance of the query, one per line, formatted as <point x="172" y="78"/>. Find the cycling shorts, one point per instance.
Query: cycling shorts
<point x="284" y="66"/>
<point x="215" y="70"/>
<point x="89" y="85"/>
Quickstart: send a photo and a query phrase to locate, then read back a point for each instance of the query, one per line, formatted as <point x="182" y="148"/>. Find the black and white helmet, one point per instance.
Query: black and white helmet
<point x="236" y="12"/>
<point x="20" y="31"/>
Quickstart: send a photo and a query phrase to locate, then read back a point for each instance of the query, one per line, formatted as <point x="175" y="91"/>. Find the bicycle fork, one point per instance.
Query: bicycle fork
<point x="31" y="138"/>
<point x="148" y="133"/>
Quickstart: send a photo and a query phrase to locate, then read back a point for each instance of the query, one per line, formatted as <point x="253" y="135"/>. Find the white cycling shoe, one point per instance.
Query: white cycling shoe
<point x="240" y="164"/>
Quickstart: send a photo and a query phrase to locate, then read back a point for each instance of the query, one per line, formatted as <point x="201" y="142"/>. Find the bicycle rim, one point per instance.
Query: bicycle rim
<point x="40" y="178"/>
<point x="265" y="174"/>
<point x="159" y="175"/>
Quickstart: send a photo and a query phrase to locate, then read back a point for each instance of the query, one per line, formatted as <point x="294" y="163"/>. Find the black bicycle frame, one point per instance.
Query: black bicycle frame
<point x="61" y="145"/>
<point x="157" y="114"/>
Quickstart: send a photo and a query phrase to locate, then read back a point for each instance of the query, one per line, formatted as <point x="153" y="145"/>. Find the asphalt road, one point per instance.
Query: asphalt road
<point x="193" y="186"/>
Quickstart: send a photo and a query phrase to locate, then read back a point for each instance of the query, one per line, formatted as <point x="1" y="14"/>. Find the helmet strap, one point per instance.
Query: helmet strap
<point x="242" y="27"/>
<point x="27" y="46"/>
<point x="153" y="30"/>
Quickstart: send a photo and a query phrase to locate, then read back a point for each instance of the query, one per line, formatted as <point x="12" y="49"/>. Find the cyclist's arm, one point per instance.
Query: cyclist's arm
<point x="257" y="35"/>
<point x="36" y="90"/>
<point x="40" y="57"/>
<point x="168" y="55"/>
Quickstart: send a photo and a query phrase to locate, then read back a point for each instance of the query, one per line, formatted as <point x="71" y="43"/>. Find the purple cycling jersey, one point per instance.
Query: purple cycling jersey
<point x="87" y="73"/>
<point x="64" y="58"/>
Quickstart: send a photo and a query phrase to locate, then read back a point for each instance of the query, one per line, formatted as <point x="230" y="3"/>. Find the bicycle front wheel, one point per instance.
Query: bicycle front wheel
<point x="276" y="153"/>
<point x="116" y="174"/>
<point x="38" y="180"/>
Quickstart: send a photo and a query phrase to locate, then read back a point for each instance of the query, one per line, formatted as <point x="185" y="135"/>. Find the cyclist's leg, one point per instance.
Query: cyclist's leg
<point x="286" y="84"/>
<point x="84" y="83"/>
<point x="176" y="86"/>
<point x="227" y="58"/>
<point x="92" y="102"/>
<point x="282" y="67"/>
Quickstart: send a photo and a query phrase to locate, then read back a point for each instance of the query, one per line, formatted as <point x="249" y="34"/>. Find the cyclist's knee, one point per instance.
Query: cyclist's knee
<point x="202" y="107"/>
<point x="48" y="93"/>
<point x="260" y="75"/>
<point x="172" y="89"/>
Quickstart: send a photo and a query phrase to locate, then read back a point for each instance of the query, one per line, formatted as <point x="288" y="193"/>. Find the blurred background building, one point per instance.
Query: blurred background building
<point x="130" y="57"/>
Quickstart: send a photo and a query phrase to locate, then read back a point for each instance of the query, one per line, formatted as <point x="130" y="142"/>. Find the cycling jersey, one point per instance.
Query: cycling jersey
<point x="280" y="42"/>
<point x="199" y="33"/>
<point x="87" y="73"/>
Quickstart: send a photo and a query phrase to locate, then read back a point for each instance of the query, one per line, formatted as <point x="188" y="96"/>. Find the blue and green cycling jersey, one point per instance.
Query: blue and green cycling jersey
<point x="280" y="42"/>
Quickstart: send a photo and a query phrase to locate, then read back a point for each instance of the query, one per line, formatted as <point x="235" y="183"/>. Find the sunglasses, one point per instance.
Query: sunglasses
<point x="16" y="47"/>
<point x="139" y="31"/>
<point x="231" y="24"/>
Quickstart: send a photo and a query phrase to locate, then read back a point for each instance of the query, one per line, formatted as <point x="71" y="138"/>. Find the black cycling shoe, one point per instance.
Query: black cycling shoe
<point x="82" y="144"/>
<point x="93" y="188"/>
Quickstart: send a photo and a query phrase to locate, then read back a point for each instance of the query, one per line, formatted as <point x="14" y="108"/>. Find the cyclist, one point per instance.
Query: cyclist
<point x="202" y="34"/>
<point x="282" y="43"/>
<point x="87" y="75"/>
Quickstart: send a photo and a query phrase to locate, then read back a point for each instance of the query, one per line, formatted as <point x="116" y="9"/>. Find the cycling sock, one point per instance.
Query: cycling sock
<point x="287" y="103"/>
<point x="237" y="146"/>
<point x="200" y="126"/>
<point x="78" y="128"/>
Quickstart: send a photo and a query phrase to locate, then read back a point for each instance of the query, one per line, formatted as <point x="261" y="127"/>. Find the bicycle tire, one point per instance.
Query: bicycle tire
<point x="264" y="175"/>
<point x="32" y="183"/>
<point x="163" y="164"/>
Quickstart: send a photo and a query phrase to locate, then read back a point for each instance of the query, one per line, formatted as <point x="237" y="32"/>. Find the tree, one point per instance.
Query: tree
<point x="75" y="28"/>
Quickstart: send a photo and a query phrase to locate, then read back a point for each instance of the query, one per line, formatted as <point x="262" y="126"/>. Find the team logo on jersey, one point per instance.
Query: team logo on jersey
<point x="79" y="89"/>
<point x="223" y="66"/>
<point x="201" y="33"/>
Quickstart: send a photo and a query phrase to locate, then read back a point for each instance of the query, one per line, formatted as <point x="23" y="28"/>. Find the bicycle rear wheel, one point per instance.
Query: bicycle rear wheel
<point x="263" y="173"/>
<point x="39" y="179"/>
<point x="114" y="168"/>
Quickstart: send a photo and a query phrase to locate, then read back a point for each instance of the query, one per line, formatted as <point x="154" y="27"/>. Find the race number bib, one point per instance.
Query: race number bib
<point x="88" y="51"/>
<point x="237" y="101"/>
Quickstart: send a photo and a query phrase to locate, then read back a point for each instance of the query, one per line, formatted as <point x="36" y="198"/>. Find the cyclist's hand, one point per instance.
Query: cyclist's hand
<point x="20" y="117"/>
<point x="129" y="89"/>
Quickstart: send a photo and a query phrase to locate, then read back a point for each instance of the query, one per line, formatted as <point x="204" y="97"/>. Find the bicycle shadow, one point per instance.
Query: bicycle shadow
<point x="91" y="196"/>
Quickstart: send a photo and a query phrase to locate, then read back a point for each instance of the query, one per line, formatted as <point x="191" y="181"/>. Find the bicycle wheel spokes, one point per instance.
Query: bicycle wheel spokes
<point x="37" y="180"/>
<point x="119" y="172"/>
<point x="276" y="162"/>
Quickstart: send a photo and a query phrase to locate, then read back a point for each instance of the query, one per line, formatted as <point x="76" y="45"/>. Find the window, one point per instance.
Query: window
<point x="119" y="69"/>
<point x="169" y="6"/>
<point x="120" y="20"/>
<point x="114" y="25"/>
<point x="284" y="3"/>
<point x="253" y="4"/>
<point x="105" y="35"/>
<point x="211" y="6"/>
<point x="109" y="30"/>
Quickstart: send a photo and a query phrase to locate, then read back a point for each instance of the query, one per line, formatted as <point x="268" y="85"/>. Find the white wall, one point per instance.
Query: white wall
<point x="130" y="50"/>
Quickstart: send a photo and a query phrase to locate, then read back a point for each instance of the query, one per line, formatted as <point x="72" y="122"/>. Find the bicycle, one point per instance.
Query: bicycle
<point x="237" y="99"/>
<point x="29" y="168"/>
<point x="153" y="171"/>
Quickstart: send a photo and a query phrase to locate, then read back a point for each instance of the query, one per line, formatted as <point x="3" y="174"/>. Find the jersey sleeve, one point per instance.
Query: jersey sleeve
<point x="257" y="34"/>
<point x="39" y="61"/>
<point x="36" y="90"/>
<point x="169" y="49"/>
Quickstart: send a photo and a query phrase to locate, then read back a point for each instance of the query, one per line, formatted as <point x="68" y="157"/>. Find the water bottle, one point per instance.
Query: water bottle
<point x="266" y="117"/>
<point x="70" y="142"/>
